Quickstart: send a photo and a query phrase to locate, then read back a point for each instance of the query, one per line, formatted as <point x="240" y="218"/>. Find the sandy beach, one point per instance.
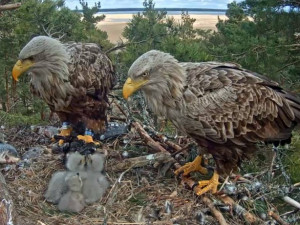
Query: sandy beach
<point x="115" y="23"/>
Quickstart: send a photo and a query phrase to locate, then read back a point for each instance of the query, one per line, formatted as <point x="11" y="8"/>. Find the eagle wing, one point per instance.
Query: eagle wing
<point x="92" y="76"/>
<point x="90" y="69"/>
<point x="229" y="109"/>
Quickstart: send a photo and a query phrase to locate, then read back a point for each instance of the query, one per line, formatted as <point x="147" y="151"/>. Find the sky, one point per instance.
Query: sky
<point x="215" y="4"/>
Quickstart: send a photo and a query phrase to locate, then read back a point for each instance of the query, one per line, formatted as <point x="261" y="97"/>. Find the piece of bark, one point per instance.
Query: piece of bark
<point x="9" y="6"/>
<point x="248" y="217"/>
<point x="160" y="157"/>
<point x="217" y="214"/>
<point x="277" y="218"/>
<point x="7" y="212"/>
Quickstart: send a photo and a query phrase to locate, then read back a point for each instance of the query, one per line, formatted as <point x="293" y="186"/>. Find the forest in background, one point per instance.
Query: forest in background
<point x="262" y="36"/>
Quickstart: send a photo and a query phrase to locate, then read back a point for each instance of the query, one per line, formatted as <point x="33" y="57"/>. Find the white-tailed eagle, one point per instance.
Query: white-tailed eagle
<point x="225" y="108"/>
<point x="74" y="79"/>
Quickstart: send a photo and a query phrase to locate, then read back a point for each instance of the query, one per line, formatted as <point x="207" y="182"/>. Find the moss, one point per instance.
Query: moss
<point x="291" y="158"/>
<point x="17" y="119"/>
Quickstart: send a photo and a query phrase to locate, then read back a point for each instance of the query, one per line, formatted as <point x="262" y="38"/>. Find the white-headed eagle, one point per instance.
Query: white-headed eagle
<point x="225" y="108"/>
<point x="74" y="79"/>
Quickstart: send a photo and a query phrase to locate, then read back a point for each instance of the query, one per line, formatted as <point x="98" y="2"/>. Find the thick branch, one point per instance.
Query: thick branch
<point x="148" y="140"/>
<point x="156" y="146"/>
<point x="249" y="217"/>
<point x="160" y="157"/>
<point x="9" y="6"/>
<point x="291" y="202"/>
<point x="277" y="218"/>
<point x="214" y="211"/>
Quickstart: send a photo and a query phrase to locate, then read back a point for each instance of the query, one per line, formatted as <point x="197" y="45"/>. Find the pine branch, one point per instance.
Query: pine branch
<point x="123" y="45"/>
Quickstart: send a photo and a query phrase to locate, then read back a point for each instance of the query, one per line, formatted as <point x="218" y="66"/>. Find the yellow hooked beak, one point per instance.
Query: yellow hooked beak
<point x="21" y="67"/>
<point x="132" y="86"/>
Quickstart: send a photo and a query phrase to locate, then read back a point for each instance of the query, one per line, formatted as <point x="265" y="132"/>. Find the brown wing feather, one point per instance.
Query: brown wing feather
<point x="92" y="75"/>
<point x="233" y="109"/>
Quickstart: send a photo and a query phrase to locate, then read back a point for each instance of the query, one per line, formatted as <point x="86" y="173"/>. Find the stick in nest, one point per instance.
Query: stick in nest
<point x="214" y="211"/>
<point x="248" y="217"/>
<point x="160" y="157"/>
<point x="291" y="202"/>
<point x="156" y="146"/>
<point x="277" y="218"/>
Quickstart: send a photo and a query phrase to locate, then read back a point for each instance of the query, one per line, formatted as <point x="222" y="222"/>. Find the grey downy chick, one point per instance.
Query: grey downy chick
<point x="95" y="183"/>
<point x="57" y="185"/>
<point x="73" y="200"/>
<point x="76" y="162"/>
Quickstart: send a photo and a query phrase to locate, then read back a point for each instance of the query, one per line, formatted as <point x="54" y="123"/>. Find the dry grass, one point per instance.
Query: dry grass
<point x="135" y="196"/>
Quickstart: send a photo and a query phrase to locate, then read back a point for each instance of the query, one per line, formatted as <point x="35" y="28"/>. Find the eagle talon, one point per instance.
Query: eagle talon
<point x="65" y="131"/>
<point x="208" y="185"/>
<point x="87" y="139"/>
<point x="192" y="167"/>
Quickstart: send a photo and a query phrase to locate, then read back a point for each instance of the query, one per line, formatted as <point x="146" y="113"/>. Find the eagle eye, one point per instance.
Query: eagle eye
<point x="30" y="58"/>
<point x="146" y="74"/>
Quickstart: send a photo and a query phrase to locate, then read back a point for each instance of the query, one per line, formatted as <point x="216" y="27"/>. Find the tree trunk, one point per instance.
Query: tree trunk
<point x="9" y="6"/>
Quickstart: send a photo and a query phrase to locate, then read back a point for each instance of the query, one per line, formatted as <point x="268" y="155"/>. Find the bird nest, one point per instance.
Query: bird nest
<point x="147" y="194"/>
<point x="138" y="196"/>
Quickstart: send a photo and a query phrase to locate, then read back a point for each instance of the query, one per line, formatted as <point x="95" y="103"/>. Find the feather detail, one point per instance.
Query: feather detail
<point x="224" y="107"/>
<point x="73" y="79"/>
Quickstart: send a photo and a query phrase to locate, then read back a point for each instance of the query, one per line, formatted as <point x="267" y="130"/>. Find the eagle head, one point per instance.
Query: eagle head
<point x="154" y="71"/>
<point x="41" y="52"/>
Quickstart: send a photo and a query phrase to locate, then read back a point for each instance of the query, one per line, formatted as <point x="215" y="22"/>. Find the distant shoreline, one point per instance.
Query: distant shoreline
<point x="114" y="24"/>
<point x="199" y="10"/>
<point x="168" y="12"/>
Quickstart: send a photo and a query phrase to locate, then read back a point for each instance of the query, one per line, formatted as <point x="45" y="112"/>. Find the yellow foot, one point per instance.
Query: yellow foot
<point x="191" y="167"/>
<point x="87" y="139"/>
<point x="208" y="185"/>
<point x="64" y="132"/>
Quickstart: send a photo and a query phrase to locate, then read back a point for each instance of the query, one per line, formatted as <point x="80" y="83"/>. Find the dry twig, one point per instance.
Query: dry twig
<point x="277" y="218"/>
<point x="156" y="146"/>
<point x="214" y="211"/>
<point x="248" y="217"/>
<point x="148" y="140"/>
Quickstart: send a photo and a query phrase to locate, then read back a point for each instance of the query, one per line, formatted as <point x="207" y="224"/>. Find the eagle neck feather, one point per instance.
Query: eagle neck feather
<point x="166" y="96"/>
<point x="50" y="80"/>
